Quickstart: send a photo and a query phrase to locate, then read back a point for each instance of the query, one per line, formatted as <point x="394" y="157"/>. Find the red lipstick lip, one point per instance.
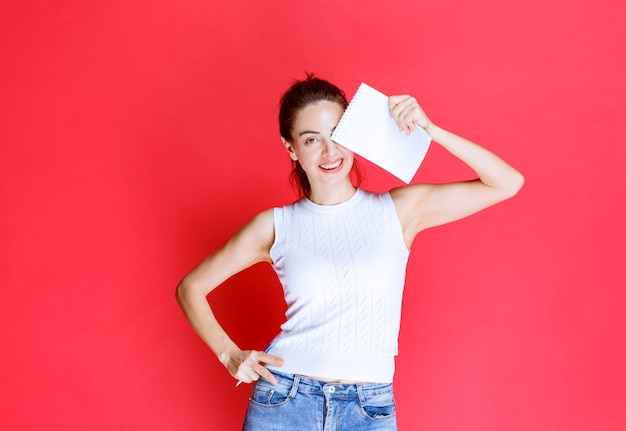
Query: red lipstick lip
<point x="332" y="163"/>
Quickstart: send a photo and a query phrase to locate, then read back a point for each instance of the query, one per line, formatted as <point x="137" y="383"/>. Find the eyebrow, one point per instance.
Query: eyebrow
<point x="308" y="132"/>
<point x="315" y="133"/>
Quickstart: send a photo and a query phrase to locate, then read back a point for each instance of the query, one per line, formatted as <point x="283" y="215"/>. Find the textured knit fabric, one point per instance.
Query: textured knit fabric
<point x="342" y="268"/>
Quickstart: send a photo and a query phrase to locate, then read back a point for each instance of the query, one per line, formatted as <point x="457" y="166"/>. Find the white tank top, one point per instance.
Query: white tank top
<point x="342" y="268"/>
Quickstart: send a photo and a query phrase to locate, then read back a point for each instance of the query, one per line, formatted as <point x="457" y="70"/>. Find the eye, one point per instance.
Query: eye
<point x="311" y="140"/>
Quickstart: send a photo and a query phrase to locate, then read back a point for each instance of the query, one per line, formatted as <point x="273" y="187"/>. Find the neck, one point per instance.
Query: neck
<point x="332" y="194"/>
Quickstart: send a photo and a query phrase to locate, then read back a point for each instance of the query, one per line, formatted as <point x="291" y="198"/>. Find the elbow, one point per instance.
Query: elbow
<point x="515" y="184"/>
<point x="181" y="291"/>
<point x="187" y="291"/>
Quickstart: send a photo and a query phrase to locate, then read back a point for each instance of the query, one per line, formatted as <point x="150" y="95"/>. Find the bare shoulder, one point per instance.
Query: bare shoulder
<point x="264" y="219"/>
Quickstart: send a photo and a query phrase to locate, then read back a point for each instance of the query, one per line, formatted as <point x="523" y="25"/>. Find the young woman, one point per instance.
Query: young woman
<point x="340" y="253"/>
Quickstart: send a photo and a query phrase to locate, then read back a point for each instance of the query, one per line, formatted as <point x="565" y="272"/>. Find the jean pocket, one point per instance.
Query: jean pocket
<point x="378" y="405"/>
<point x="266" y="394"/>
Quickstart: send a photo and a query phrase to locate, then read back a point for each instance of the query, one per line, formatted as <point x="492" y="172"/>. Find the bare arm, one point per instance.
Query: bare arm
<point x="250" y="245"/>
<point x="421" y="206"/>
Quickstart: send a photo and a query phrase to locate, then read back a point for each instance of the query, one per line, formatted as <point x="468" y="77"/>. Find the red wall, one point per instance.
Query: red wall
<point x="137" y="136"/>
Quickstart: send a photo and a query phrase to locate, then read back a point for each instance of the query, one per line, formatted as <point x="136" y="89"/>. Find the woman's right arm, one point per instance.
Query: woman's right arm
<point x="250" y="245"/>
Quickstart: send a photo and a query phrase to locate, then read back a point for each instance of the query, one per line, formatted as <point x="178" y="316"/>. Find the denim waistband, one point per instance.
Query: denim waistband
<point x="309" y="385"/>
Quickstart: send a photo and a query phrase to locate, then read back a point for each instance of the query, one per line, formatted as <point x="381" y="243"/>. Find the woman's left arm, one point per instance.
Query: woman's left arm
<point x="421" y="206"/>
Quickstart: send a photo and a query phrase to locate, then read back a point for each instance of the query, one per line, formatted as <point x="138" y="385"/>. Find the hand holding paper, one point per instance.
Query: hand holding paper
<point x="407" y="114"/>
<point x="367" y="129"/>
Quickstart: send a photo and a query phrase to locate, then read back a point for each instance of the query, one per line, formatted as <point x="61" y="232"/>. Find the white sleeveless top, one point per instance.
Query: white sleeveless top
<point x="342" y="268"/>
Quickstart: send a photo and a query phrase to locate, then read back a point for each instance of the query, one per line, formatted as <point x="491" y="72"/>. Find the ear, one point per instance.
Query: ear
<point x="289" y="149"/>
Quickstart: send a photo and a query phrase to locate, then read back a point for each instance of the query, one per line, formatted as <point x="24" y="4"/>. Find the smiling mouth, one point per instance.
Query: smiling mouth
<point x="331" y="166"/>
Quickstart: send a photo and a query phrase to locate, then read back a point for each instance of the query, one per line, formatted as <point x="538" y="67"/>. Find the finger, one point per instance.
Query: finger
<point x="392" y="101"/>
<point x="246" y="376"/>
<point x="395" y="100"/>
<point x="414" y="118"/>
<point x="404" y="110"/>
<point x="271" y="359"/>
<point x="406" y="120"/>
<point x="397" y="104"/>
<point x="246" y="369"/>
<point x="267" y="375"/>
<point x="253" y="373"/>
<point x="411" y="125"/>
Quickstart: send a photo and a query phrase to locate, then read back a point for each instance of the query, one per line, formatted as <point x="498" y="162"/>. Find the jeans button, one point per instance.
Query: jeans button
<point x="331" y="389"/>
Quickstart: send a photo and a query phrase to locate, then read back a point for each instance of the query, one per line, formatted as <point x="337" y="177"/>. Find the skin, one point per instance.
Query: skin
<point x="312" y="147"/>
<point x="327" y="165"/>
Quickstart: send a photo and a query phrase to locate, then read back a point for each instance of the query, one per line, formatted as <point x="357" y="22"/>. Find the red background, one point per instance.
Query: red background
<point x="136" y="136"/>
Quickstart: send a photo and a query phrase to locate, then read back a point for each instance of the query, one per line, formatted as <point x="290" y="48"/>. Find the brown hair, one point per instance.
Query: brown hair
<point x="298" y="96"/>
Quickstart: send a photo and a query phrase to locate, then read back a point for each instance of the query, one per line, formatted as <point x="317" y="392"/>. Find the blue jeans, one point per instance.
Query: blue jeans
<point x="304" y="404"/>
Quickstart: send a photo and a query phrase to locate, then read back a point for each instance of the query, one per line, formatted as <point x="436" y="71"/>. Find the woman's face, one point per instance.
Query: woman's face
<point x="322" y="159"/>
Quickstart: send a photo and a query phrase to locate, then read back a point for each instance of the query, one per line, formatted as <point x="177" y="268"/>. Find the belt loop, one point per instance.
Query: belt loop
<point x="294" y="387"/>
<point x="359" y="390"/>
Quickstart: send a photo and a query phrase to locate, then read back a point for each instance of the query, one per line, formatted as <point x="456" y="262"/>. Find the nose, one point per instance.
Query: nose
<point x="330" y="147"/>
